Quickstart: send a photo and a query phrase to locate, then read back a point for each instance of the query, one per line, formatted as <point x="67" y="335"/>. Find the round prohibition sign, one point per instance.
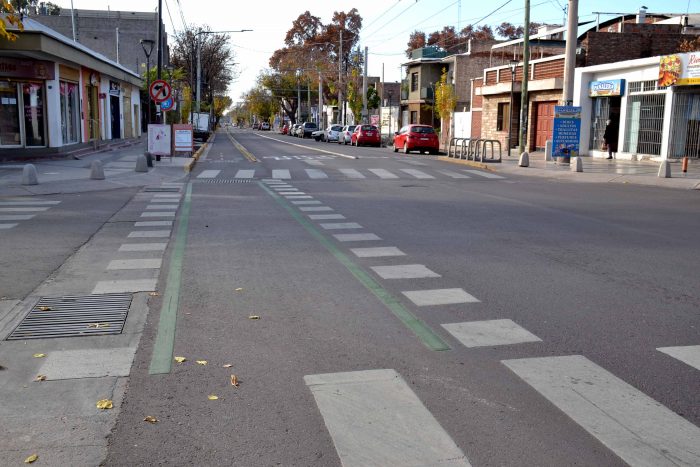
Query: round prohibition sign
<point x="159" y="91"/>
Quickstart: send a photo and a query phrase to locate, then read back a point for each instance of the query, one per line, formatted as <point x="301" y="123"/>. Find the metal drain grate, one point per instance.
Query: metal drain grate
<point x="226" y="180"/>
<point x="162" y="188"/>
<point x="72" y="316"/>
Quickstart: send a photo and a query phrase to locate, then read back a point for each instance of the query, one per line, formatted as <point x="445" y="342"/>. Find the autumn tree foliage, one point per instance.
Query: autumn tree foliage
<point x="9" y="17"/>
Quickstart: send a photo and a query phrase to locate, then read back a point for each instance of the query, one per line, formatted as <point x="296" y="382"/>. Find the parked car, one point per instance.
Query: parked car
<point x="332" y="133"/>
<point x="306" y="129"/>
<point x="256" y="126"/>
<point x="264" y="126"/>
<point x="319" y="135"/>
<point x="284" y="129"/>
<point x="365" y="135"/>
<point x="416" y="138"/>
<point x="293" y="130"/>
<point x="345" y="134"/>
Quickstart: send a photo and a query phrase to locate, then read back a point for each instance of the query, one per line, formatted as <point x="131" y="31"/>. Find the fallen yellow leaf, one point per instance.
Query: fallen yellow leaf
<point x="45" y="308"/>
<point x="234" y="381"/>
<point x="98" y="325"/>
<point x="253" y="317"/>
<point x="212" y="397"/>
<point x="150" y="419"/>
<point x="180" y="359"/>
<point x="31" y="459"/>
<point x="228" y="365"/>
<point x="202" y="362"/>
<point x="105" y="404"/>
<point x="40" y="378"/>
<point x="153" y="294"/>
<point x="39" y="355"/>
<point x="239" y="289"/>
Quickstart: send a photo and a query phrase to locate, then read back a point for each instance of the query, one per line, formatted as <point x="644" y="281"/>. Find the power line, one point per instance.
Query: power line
<point x="426" y="19"/>
<point x="392" y="19"/>
<point x="380" y="16"/>
<point x="167" y="7"/>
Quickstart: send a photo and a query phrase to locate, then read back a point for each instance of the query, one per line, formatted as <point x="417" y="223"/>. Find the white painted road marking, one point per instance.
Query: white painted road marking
<point x="158" y="214"/>
<point x="155" y="207"/>
<point x="143" y="247"/>
<point x="484" y="174"/>
<point x="417" y="173"/>
<point x="491" y="332"/>
<point x="297" y="196"/>
<point x="7" y="226"/>
<point x="305" y="202"/>
<point x="149" y="234"/>
<point x="351" y="173"/>
<point x="129" y="285"/>
<point x="163" y="200"/>
<point x="631" y="424"/>
<point x="209" y="174"/>
<point x="341" y="225"/>
<point x="24" y="209"/>
<point x="17" y="217"/>
<point x="281" y="173"/>
<point x="153" y="224"/>
<point x="149" y="263"/>
<point x="690" y="354"/>
<point x="363" y="237"/>
<point x="166" y="195"/>
<point x="321" y="217"/>
<point x="376" y="420"/>
<point x="404" y="271"/>
<point x="382" y="173"/>
<point x="452" y="174"/>
<point x="315" y="173"/>
<point x="315" y="209"/>
<point x="28" y="203"/>
<point x="377" y="252"/>
<point x="245" y="174"/>
<point x="439" y="297"/>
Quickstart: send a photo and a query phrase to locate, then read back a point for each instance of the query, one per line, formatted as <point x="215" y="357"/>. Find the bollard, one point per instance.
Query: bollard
<point x="665" y="169"/>
<point x="524" y="160"/>
<point x="29" y="176"/>
<point x="577" y="165"/>
<point x="96" y="171"/>
<point x="141" y="164"/>
<point x="149" y="159"/>
<point x="685" y="164"/>
<point x="548" y="151"/>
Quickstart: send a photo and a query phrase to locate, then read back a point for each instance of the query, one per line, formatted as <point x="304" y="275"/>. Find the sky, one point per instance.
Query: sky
<point x="387" y="24"/>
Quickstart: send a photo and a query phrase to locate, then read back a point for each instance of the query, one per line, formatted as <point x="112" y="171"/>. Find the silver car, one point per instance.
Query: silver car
<point x="345" y="134"/>
<point x="333" y="133"/>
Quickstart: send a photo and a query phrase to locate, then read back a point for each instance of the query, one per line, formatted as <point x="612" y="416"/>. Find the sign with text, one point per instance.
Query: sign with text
<point x="567" y="131"/>
<point x="609" y="87"/>
<point x="159" y="138"/>
<point x="679" y="69"/>
<point x="183" y="141"/>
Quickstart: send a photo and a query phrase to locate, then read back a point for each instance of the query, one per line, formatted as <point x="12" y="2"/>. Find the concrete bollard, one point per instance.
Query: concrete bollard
<point x="548" y="151"/>
<point x="524" y="160"/>
<point x="96" y="171"/>
<point x="141" y="164"/>
<point x="577" y="165"/>
<point x="29" y="176"/>
<point x="149" y="159"/>
<point x="665" y="169"/>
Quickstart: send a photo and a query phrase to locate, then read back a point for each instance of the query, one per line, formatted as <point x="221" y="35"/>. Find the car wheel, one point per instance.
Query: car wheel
<point x="405" y="147"/>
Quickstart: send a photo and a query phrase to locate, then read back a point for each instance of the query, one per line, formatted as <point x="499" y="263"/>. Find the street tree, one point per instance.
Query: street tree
<point x="10" y="17"/>
<point x="445" y="103"/>
<point x="415" y="41"/>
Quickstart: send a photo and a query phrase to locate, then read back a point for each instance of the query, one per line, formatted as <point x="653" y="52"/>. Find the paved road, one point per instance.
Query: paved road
<point x="416" y="313"/>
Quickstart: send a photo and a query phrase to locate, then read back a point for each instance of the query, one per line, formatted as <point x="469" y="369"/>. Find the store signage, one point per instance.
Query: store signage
<point x="566" y="132"/>
<point x="114" y="88"/>
<point x="609" y="87"/>
<point x="679" y="69"/>
<point x="23" y="68"/>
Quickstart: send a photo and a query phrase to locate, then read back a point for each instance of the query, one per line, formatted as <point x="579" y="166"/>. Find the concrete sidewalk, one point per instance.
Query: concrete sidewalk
<point x="73" y="175"/>
<point x="598" y="170"/>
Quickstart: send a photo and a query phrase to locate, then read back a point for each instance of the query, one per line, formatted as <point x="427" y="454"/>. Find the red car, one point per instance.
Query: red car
<point x="285" y="129"/>
<point x="365" y="135"/>
<point x="416" y="138"/>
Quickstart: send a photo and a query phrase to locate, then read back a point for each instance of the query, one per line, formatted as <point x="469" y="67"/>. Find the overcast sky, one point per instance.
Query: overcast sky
<point x="386" y="23"/>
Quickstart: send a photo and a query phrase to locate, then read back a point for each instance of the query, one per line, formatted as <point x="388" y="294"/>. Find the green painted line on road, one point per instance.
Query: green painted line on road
<point x="424" y="332"/>
<point x="162" y="356"/>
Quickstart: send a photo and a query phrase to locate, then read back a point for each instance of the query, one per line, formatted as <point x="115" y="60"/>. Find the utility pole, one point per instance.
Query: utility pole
<point x="522" y="142"/>
<point x="320" y="101"/>
<point x="340" y="81"/>
<point x="570" y="57"/>
<point x="160" y="48"/>
<point x="365" y="112"/>
<point x="298" y="99"/>
<point x="308" y="99"/>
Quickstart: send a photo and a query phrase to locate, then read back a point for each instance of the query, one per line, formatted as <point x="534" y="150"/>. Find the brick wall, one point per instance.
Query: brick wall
<point x="604" y="47"/>
<point x="477" y="100"/>
<point x="476" y="124"/>
<point x="549" y="69"/>
<point x="490" y="77"/>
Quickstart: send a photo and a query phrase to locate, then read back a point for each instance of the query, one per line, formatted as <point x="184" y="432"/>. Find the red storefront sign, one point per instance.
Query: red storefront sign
<point x="26" y="68"/>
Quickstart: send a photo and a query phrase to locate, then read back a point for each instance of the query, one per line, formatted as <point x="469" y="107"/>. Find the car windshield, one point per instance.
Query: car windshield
<point x="422" y="129"/>
<point x="336" y="128"/>
<point x="351" y="128"/>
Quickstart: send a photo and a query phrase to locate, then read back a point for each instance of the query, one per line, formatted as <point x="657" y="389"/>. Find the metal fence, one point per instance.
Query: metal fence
<point x="644" y="124"/>
<point x="684" y="140"/>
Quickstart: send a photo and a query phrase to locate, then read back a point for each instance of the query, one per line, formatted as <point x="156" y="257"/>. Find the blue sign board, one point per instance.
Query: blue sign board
<point x="610" y="87"/>
<point x="167" y="104"/>
<point x="566" y="132"/>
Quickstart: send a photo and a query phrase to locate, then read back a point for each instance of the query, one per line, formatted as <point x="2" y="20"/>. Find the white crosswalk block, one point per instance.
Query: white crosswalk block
<point x="362" y="237"/>
<point x="24" y="209"/>
<point x="439" y="297"/>
<point x="143" y="247"/>
<point x="689" y="354"/>
<point x="314" y="163"/>
<point x="325" y="217"/>
<point x="146" y="263"/>
<point x="153" y="224"/>
<point x="351" y="173"/>
<point x="634" y="426"/>
<point x="161" y="200"/>
<point x="127" y="285"/>
<point x="404" y="271"/>
<point x="341" y="225"/>
<point x="484" y="174"/>
<point x="377" y="252"/>
<point x="7" y="226"/>
<point x="245" y="174"/>
<point x="281" y="174"/>
<point x="316" y="173"/>
<point x="149" y="234"/>
<point x="209" y="174"/>
<point x="490" y="333"/>
<point x="28" y="203"/>
<point x="383" y="173"/>
<point x="316" y="209"/>
<point x="167" y="195"/>
<point x="452" y="174"/>
<point x="17" y="217"/>
<point x="418" y="174"/>
<point x="165" y="207"/>
<point x="375" y="419"/>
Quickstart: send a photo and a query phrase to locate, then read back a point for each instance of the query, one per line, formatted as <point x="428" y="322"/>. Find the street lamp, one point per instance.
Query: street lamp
<point x="513" y="66"/>
<point x="147" y="45"/>
<point x="432" y="106"/>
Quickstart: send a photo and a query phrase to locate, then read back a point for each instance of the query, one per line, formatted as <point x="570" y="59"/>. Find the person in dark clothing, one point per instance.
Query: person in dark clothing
<point x="610" y="138"/>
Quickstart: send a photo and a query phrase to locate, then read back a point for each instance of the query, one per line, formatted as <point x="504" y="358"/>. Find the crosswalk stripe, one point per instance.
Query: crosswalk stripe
<point x="417" y="173"/>
<point x="24" y="209"/>
<point x="149" y="234"/>
<point x="314" y="163"/>
<point x="382" y="173"/>
<point x="634" y="426"/>
<point x="143" y="247"/>
<point x="490" y="332"/>
<point x="306" y="202"/>
<point x="7" y="226"/>
<point x="452" y="174"/>
<point x="28" y="203"/>
<point x="165" y="207"/>
<point x="245" y="174"/>
<point x="484" y="174"/>
<point x="166" y="200"/>
<point x="209" y="174"/>
<point x="315" y="173"/>
<point x="17" y="217"/>
<point x="341" y="225"/>
<point x="439" y="297"/>
<point x="153" y="224"/>
<point x="166" y="195"/>
<point x="323" y="217"/>
<point x="148" y="263"/>
<point x="363" y="237"/>
<point x="690" y="354"/>
<point x="351" y="173"/>
<point x="377" y="252"/>
<point x="374" y="418"/>
<point x="297" y="196"/>
<point x="404" y="271"/>
<point x="158" y="214"/>
<point x="315" y="208"/>
<point x="281" y="174"/>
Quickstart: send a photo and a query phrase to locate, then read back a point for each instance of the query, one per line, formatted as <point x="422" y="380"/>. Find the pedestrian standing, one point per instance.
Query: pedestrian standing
<point x="610" y="138"/>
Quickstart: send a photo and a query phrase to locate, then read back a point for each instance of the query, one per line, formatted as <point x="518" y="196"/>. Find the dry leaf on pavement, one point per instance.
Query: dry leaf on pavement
<point x="202" y="362"/>
<point x="239" y="289"/>
<point x="153" y="294"/>
<point x="105" y="404"/>
<point x="40" y="378"/>
<point x="180" y="359"/>
<point x="31" y="459"/>
<point x="253" y="317"/>
<point x="228" y="365"/>
<point x="212" y="397"/>
<point x="44" y="308"/>
<point x="39" y="355"/>
<point x="150" y="419"/>
<point x="234" y="381"/>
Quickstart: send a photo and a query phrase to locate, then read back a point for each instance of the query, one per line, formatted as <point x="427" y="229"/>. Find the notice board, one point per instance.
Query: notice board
<point x="183" y="140"/>
<point x="159" y="140"/>
<point x="567" y="131"/>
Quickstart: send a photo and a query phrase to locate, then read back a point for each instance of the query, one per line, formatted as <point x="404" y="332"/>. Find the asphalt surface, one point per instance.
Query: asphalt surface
<point x="607" y="272"/>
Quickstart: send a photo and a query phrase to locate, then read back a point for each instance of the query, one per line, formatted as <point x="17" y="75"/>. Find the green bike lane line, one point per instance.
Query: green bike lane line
<point x="424" y="332"/>
<point x="162" y="356"/>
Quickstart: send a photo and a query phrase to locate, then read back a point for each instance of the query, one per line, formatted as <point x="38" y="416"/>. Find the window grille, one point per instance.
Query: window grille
<point x="599" y="117"/>
<point x="644" y="124"/>
<point x="635" y="86"/>
<point x="685" y="126"/>
<point x="650" y="85"/>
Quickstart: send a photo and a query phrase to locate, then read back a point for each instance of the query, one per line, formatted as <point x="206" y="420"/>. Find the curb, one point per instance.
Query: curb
<point x="479" y="165"/>
<point x="195" y="157"/>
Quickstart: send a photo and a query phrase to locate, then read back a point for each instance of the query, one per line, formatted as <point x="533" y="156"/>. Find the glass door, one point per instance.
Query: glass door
<point x="10" y="130"/>
<point x="70" y="112"/>
<point x="33" y="98"/>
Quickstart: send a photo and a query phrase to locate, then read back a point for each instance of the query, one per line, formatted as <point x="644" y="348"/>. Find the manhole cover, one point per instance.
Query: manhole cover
<point x="72" y="316"/>
<point x="162" y="188"/>
<point x="226" y="180"/>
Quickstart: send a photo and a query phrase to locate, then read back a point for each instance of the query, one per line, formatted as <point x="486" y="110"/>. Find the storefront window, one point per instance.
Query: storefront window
<point x="70" y="112"/>
<point x="644" y="124"/>
<point x="10" y="131"/>
<point x="33" y="98"/>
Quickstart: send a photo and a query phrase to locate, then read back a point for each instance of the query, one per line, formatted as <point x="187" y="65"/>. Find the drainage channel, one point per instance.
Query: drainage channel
<point x="225" y="180"/>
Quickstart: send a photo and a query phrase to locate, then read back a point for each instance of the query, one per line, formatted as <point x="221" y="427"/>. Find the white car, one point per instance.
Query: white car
<point x="345" y="134"/>
<point x="333" y="133"/>
<point x="265" y="126"/>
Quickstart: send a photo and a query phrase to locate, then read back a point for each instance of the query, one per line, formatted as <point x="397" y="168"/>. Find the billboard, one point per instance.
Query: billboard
<point x="567" y="131"/>
<point x="679" y="69"/>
